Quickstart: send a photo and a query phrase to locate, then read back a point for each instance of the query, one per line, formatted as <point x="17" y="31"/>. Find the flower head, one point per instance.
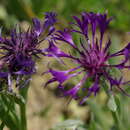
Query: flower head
<point x="21" y="48"/>
<point x="93" y="56"/>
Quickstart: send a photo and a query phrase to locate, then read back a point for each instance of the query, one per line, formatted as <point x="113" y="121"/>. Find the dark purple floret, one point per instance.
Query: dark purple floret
<point x="93" y="59"/>
<point x="48" y="24"/>
<point x="37" y="27"/>
<point x="50" y="19"/>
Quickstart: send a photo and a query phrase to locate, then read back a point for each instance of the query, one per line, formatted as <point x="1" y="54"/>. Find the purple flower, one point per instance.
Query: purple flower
<point x="20" y="50"/>
<point x="92" y="60"/>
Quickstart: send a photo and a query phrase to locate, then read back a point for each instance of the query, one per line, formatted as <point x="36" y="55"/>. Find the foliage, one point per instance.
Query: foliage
<point x="31" y="8"/>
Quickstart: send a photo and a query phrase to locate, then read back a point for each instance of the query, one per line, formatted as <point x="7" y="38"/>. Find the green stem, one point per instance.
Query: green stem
<point x="117" y="121"/>
<point x="23" y="117"/>
<point x="23" y="92"/>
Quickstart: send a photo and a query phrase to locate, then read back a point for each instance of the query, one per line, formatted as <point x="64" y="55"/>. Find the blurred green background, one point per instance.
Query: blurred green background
<point x="45" y="109"/>
<point x="12" y="11"/>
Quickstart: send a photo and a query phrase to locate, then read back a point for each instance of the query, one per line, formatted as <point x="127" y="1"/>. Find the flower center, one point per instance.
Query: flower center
<point x="93" y="61"/>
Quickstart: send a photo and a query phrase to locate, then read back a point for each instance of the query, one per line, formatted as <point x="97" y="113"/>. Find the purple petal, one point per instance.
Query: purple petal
<point x="103" y="22"/>
<point x="50" y="19"/>
<point x="79" y="23"/>
<point x="62" y="76"/>
<point x="51" y="30"/>
<point x="3" y="74"/>
<point x="73" y="92"/>
<point x="82" y="24"/>
<point x="94" y="89"/>
<point x="37" y="26"/>
<point x="65" y="36"/>
<point x="53" y="51"/>
<point x="92" y="19"/>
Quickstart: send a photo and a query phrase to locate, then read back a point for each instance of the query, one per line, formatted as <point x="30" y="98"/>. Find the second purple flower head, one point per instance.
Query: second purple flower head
<point x="92" y="57"/>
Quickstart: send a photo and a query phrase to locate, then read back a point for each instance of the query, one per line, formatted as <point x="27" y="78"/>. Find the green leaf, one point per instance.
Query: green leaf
<point x="112" y="104"/>
<point x="70" y="125"/>
<point x="19" y="99"/>
<point x="8" y="115"/>
<point x="15" y="97"/>
<point x="98" y="114"/>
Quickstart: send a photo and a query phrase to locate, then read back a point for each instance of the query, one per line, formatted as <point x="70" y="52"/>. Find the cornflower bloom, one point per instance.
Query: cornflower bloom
<point x="92" y="59"/>
<point x="20" y="49"/>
